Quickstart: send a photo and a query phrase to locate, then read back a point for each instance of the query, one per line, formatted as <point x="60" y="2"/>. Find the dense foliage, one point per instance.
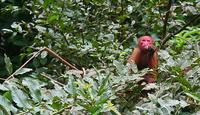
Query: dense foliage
<point x="97" y="36"/>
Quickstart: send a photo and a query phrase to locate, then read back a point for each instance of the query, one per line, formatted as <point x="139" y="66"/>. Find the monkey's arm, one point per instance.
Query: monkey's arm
<point x="154" y="60"/>
<point x="133" y="58"/>
<point x="151" y="77"/>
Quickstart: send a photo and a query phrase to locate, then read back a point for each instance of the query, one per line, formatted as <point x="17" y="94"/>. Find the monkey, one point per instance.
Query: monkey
<point x="145" y="56"/>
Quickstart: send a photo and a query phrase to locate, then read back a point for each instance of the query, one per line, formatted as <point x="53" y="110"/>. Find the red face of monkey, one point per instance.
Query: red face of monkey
<point x="145" y="42"/>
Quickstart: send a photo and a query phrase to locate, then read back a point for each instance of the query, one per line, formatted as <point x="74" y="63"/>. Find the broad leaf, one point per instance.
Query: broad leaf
<point x="8" y="64"/>
<point x="20" y="98"/>
<point x="6" y="104"/>
<point x="23" y="71"/>
<point x="195" y="96"/>
<point x="34" y="86"/>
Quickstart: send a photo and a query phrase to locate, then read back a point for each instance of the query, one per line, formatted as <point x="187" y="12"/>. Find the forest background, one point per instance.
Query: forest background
<point x="95" y="37"/>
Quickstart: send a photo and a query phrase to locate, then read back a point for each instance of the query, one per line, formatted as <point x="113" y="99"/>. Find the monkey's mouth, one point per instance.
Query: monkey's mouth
<point x="149" y="49"/>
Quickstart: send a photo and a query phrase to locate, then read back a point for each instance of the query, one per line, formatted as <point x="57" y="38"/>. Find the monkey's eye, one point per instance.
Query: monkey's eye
<point x="146" y="40"/>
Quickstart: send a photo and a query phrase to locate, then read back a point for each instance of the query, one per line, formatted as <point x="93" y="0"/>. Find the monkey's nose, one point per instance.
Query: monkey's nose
<point x="146" y="47"/>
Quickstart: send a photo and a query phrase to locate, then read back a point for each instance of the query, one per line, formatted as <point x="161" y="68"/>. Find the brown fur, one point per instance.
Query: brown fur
<point x="145" y="59"/>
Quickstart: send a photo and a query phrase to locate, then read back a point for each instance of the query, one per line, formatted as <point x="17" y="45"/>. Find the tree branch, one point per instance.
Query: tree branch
<point x="35" y="55"/>
<point x="166" y="19"/>
<point x="60" y="58"/>
<point x="57" y="82"/>
<point x="168" y="37"/>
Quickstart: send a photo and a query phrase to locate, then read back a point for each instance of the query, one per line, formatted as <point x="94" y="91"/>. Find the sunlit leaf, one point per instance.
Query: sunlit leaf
<point x="195" y="96"/>
<point x="103" y="86"/>
<point x="20" y="98"/>
<point x="41" y="29"/>
<point x="120" y="67"/>
<point x="34" y="87"/>
<point x="9" y="66"/>
<point x="17" y="27"/>
<point x="3" y="88"/>
<point x="109" y="36"/>
<point x="53" y="18"/>
<point x="44" y="54"/>
<point x="59" y="92"/>
<point x="6" y="104"/>
<point x="23" y="71"/>
<point x="7" y="30"/>
<point x="70" y="87"/>
<point x="184" y="82"/>
<point x="183" y="103"/>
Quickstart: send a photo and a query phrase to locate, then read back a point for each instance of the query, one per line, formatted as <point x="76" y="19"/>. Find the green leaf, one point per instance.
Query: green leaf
<point x="8" y="95"/>
<point x="3" y="88"/>
<point x="43" y="61"/>
<point x="7" y="30"/>
<point x="57" y="103"/>
<point x="103" y="99"/>
<point x="3" y="111"/>
<point x="23" y="71"/>
<point x="6" y="104"/>
<point x="34" y="86"/>
<point x="132" y="67"/>
<point x="95" y="110"/>
<point x="70" y="87"/>
<point x="44" y="54"/>
<point x="103" y="86"/>
<point x="8" y="63"/>
<point x="195" y="96"/>
<point x="184" y="82"/>
<point x="47" y="3"/>
<point x="17" y="26"/>
<point x="84" y="105"/>
<point x="59" y="92"/>
<point x="120" y="67"/>
<point x="53" y="18"/>
<point x="20" y="98"/>
<point x="168" y="102"/>
<point x="36" y="62"/>
<point x="109" y="36"/>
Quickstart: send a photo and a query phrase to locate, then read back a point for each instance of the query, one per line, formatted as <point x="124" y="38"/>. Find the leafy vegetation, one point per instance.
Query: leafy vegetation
<point x="96" y="37"/>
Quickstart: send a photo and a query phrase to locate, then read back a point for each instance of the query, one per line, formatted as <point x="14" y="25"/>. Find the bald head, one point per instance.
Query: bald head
<point x="145" y="42"/>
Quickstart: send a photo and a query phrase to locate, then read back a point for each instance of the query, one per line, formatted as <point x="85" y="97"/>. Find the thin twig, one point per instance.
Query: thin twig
<point x="2" y="79"/>
<point x="60" y="58"/>
<point x="84" y="72"/>
<point x="33" y="56"/>
<point x="160" y="15"/>
<point x="57" y="82"/>
<point x="168" y="37"/>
